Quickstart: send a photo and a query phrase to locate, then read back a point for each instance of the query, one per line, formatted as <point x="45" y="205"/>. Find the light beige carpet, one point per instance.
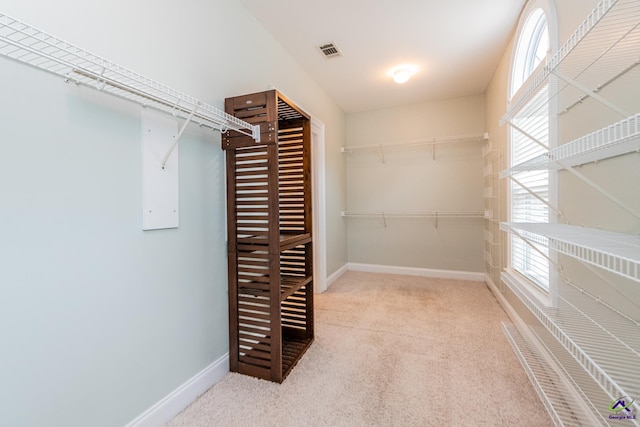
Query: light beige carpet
<point x="389" y="351"/>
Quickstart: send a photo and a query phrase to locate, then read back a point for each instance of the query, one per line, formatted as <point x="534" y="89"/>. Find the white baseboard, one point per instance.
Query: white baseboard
<point x="336" y="274"/>
<point x="172" y="404"/>
<point x="504" y="303"/>
<point x="413" y="271"/>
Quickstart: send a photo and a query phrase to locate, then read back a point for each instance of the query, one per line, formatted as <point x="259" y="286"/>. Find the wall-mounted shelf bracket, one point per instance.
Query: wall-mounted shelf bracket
<point x="599" y="189"/>
<point x="177" y="138"/>
<point x="537" y="196"/>
<point x="590" y="93"/>
<point x="528" y="135"/>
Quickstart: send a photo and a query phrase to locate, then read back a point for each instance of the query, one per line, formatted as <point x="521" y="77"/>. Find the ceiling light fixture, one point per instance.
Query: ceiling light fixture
<point x="401" y="76"/>
<point x="402" y="73"/>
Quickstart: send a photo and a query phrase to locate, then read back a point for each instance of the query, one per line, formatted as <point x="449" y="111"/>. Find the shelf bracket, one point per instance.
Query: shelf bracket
<point x="384" y="219"/>
<point x="433" y="155"/>
<point x="174" y="110"/>
<point x="177" y="138"/>
<point x="381" y="154"/>
<point x="599" y="189"/>
<point x="255" y="131"/>
<point x="611" y="286"/>
<point x="535" y="248"/>
<point x="528" y="135"/>
<point x="591" y="93"/>
<point x="100" y="80"/>
<point x="537" y="196"/>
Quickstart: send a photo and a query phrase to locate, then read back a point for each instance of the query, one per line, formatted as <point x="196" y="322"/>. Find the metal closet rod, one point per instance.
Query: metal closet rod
<point x="418" y="143"/>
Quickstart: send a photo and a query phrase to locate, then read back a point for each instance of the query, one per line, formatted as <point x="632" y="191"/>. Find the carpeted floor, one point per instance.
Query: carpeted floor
<point x="389" y="351"/>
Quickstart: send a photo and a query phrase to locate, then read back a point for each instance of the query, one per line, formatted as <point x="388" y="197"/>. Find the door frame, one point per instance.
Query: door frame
<point x="319" y="201"/>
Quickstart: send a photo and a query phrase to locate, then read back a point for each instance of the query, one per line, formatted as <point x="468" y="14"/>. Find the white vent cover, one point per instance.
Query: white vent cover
<point x="330" y="50"/>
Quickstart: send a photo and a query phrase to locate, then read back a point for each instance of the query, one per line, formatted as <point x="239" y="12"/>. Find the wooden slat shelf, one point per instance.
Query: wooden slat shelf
<point x="291" y="284"/>
<point x="256" y="357"/>
<point x="288" y="286"/>
<point x="288" y="241"/>
<point x="292" y="351"/>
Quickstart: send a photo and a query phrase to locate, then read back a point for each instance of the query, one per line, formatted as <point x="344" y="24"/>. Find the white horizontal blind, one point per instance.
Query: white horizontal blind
<point x="529" y="136"/>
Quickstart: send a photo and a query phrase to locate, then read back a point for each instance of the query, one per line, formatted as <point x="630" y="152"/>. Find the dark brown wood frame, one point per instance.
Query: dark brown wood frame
<point x="269" y="223"/>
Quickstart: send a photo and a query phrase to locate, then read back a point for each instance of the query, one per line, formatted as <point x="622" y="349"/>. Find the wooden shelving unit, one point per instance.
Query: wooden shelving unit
<point x="269" y="232"/>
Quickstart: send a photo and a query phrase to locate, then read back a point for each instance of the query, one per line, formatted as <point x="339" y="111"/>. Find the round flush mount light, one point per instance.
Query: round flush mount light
<point x="402" y="73"/>
<point x="401" y="76"/>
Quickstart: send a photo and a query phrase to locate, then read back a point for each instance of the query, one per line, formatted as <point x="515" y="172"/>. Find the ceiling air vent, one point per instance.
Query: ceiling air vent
<point x="330" y="50"/>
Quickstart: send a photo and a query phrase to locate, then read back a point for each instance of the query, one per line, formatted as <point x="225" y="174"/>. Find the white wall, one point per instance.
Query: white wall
<point x="100" y="320"/>
<point x="411" y="180"/>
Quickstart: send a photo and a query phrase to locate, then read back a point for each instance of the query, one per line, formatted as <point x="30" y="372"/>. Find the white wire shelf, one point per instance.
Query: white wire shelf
<point x="559" y="400"/>
<point x="605" y="46"/>
<point x="415" y="214"/>
<point x="435" y="215"/>
<point x="480" y="137"/>
<point x="29" y="45"/>
<point x="587" y="330"/>
<point x="620" y="138"/>
<point x="615" y="252"/>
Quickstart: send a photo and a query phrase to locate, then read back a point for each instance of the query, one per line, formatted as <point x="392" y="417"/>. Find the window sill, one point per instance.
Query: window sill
<point x="513" y="279"/>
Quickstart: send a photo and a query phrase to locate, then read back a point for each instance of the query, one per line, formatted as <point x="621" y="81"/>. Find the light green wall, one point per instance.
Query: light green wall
<point x="411" y="180"/>
<point x="98" y="319"/>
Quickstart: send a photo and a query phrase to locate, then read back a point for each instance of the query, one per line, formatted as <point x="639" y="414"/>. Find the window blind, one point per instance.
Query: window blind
<point x="529" y="137"/>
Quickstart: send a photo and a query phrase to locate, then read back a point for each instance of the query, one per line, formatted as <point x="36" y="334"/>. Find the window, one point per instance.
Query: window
<point x="532" y="48"/>
<point x="529" y="137"/>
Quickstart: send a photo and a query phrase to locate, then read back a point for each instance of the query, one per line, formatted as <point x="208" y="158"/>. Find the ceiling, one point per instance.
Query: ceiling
<point x="456" y="45"/>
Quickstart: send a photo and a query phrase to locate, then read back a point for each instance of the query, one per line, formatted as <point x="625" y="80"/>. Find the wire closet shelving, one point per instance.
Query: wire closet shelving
<point x="556" y="396"/>
<point x="617" y="253"/>
<point x="422" y="142"/>
<point x="435" y="215"/>
<point x="29" y="45"/>
<point x="604" y="341"/>
<point x="604" y="47"/>
<point x="417" y="143"/>
<point x="617" y="139"/>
